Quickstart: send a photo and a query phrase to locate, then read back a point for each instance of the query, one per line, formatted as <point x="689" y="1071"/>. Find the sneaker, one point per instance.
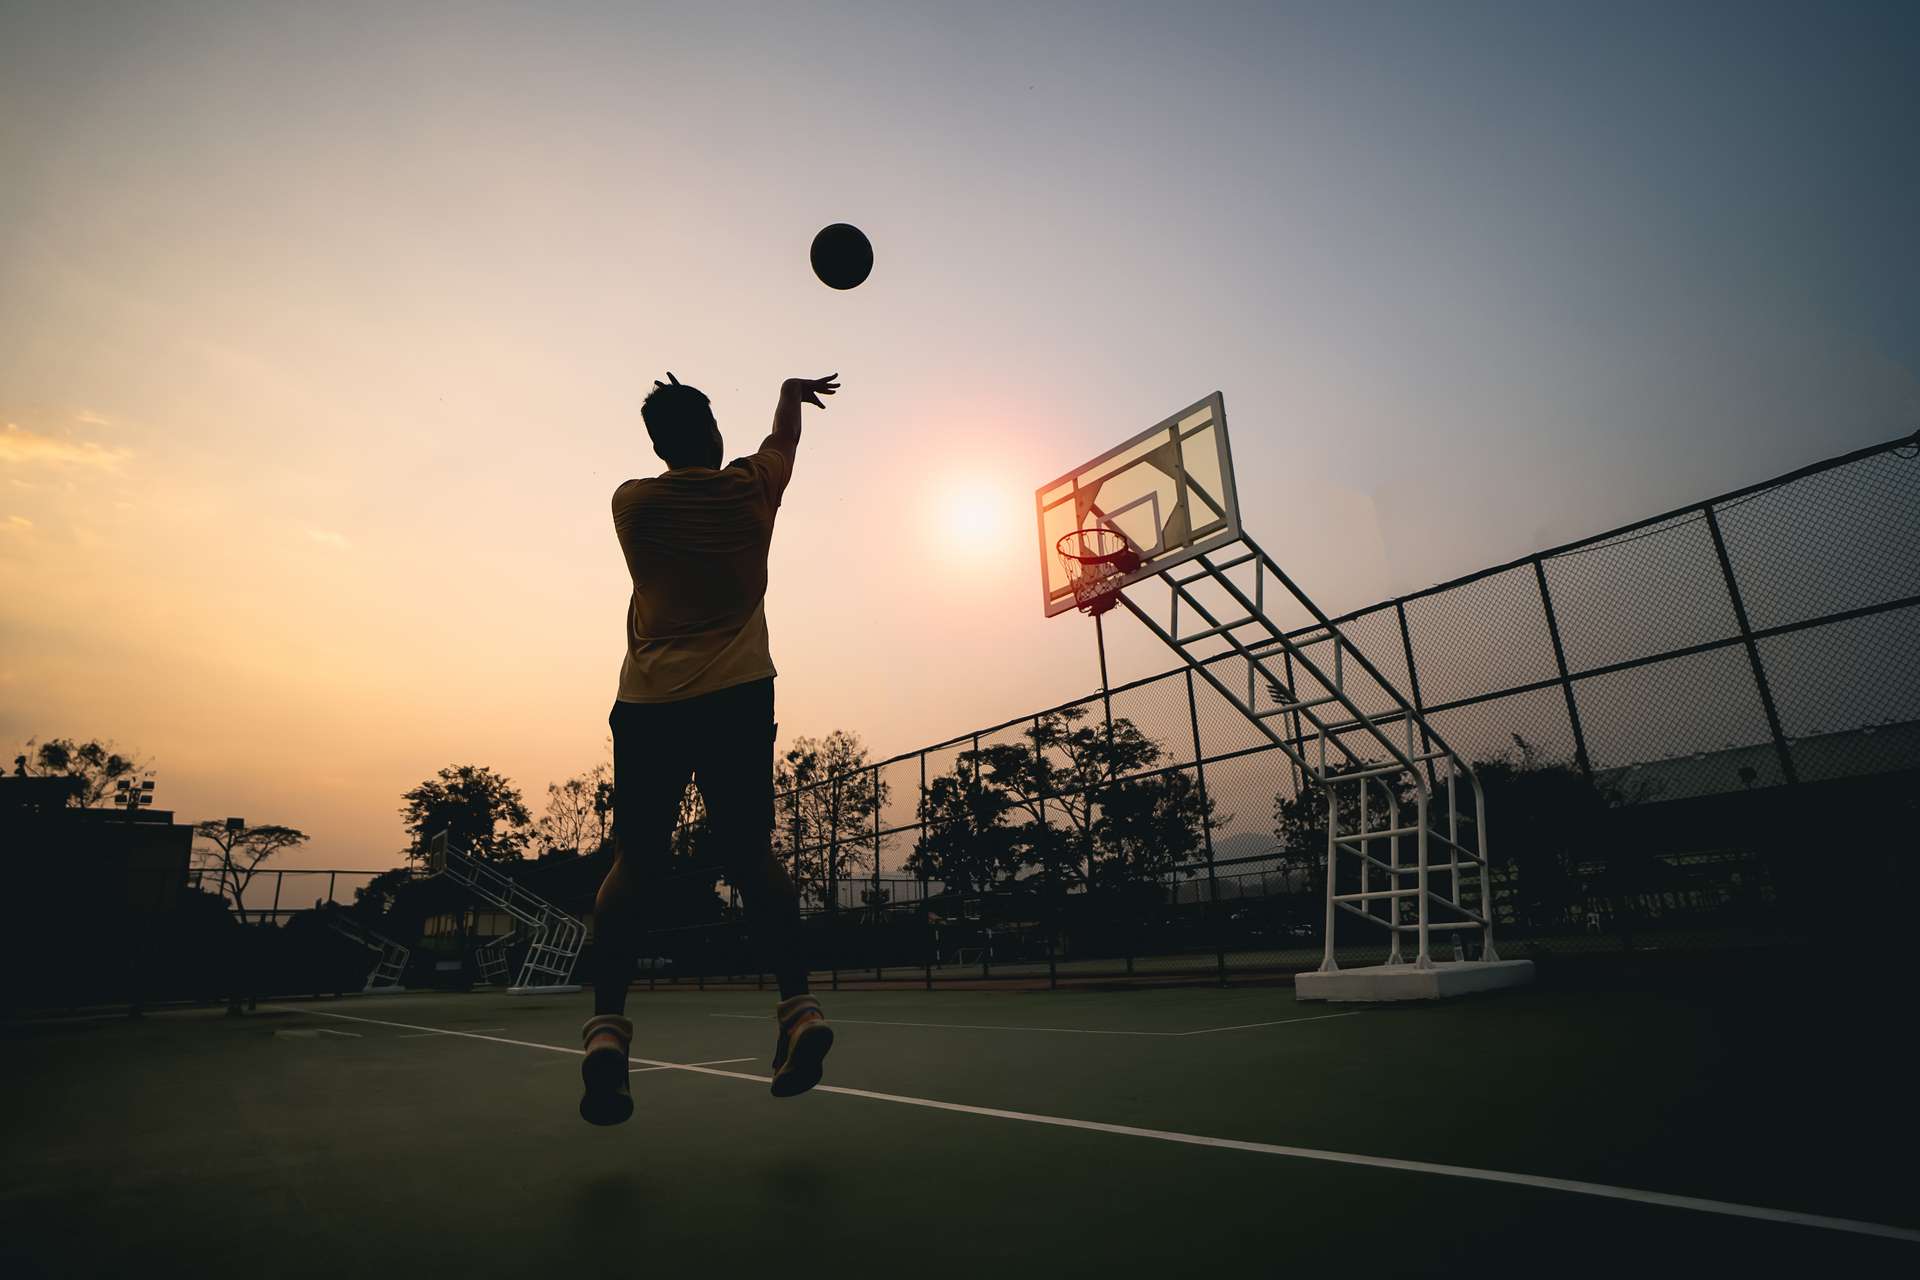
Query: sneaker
<point x="604" y="1069"/>
<point x="804" y="1040"/>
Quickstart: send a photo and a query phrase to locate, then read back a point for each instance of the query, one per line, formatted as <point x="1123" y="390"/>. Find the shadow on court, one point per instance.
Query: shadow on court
<point x="364" y="1137"/>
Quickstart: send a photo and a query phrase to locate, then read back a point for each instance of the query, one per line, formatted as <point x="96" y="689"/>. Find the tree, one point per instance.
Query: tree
<point x="96" y="764"/>
<point x="482" y="810"/>
<point x="1062" y="771"/>
<point x="382" y="893"/>
<point x="966" y="842"/>
<point x="1086" y="818"/>
<point x="238" y="850"/>
<point x="1150" y="827"/>
<point x="579" y="811"/>
<point x="1543" y="820"/>
<point x="824" y="822"/>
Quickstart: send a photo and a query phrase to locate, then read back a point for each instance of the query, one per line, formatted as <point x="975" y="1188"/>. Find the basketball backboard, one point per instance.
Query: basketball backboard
<point x="1168" y="491"/>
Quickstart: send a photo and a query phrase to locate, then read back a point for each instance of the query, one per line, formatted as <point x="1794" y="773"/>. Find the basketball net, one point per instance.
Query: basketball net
<point x="1096" y="560"/>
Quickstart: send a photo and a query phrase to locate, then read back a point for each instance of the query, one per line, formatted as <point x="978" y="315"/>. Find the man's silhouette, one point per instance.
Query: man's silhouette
<point x="696" y="702"/>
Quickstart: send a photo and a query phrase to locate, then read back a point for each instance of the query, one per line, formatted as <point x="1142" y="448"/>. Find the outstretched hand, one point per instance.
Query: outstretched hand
<point x="795" y="392"/>
<point x="809" y="390"/>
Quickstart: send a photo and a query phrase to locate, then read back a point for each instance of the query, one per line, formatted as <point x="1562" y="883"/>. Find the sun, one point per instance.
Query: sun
<point x="977" y="513"/>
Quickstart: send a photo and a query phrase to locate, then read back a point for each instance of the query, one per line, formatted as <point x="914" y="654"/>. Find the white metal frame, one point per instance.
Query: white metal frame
<point x="1341" y="723"/>
<point x="493" y="960"/>
<point x="390" y="968"/>
<point x="1342" y="748"/>
<point x="555" y="937"/>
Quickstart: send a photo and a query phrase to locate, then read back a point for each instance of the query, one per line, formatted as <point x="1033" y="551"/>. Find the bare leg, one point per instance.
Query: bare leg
<point x="619" y="929"/>
<point x="773" y="910"/>
<point x="725" y="739"/>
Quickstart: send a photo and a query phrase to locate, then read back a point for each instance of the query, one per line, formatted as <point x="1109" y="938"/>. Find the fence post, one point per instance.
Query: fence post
<point x="833" y="871"/>
<point x="1787" y="770"/>
<point x="926" y="912"/>
<point x="1413" y="686"/>
<point x="1050" y="909"/>
<point x="879" y="939"/>
<point x="1566" y="681"/>
<point x="986" y="932"/>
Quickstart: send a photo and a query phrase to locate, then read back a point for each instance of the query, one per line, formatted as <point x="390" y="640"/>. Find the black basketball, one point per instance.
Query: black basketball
<point x="842" y="256"/>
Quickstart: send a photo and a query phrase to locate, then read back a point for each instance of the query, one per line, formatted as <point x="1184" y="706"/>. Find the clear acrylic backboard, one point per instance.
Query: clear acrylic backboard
<point x="1168" y="491"/>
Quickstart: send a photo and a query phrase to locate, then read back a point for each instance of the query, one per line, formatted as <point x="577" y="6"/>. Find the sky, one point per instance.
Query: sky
<point x="324" y="330"/>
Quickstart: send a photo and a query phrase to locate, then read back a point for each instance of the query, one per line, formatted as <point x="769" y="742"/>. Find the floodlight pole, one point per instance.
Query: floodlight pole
<point x="132" y="796"/>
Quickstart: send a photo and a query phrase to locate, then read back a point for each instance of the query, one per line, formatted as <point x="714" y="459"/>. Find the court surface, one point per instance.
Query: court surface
<point x="1145" y="1132"/>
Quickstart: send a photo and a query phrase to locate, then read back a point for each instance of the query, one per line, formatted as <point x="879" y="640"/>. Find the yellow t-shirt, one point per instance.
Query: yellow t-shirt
<point x="696" y="545"/>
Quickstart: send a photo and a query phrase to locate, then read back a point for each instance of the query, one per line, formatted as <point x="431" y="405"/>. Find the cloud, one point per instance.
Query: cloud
<point x="18" y="445"/>
<point x="16" y="524"/>
<point x="329" y="539"/>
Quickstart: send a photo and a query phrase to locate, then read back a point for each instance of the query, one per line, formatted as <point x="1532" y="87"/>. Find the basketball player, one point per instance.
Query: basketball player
<point x="696" y="702"/>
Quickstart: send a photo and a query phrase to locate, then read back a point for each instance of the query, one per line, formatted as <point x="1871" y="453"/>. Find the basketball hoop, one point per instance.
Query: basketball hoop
<point x="1096" y="560"/>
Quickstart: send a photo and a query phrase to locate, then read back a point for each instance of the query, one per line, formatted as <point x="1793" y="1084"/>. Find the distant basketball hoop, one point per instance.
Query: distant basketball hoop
<point x="1096" y="560"/>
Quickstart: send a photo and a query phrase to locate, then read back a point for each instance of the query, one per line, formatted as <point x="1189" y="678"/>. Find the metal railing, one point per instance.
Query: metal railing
<point x="554" y="938"/>
<point x="271" y="894"/>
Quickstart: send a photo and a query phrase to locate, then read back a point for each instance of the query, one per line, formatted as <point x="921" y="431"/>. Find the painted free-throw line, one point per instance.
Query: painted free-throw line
<point x="1065" y="1031"/>
<point x="1601" y="1190"/>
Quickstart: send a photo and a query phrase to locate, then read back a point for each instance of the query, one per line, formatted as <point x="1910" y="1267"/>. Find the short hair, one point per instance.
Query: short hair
<point x="678" y="417"/>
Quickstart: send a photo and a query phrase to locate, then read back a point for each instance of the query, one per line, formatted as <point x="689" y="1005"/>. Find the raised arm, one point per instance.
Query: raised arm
<point x="795" y="392"/>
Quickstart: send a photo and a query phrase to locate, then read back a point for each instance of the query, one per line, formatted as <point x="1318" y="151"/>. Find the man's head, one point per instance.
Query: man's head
<point x="680" y="420"/>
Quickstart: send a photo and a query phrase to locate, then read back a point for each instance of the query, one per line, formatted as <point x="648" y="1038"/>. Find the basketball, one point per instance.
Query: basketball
<point x="842" y="256"/>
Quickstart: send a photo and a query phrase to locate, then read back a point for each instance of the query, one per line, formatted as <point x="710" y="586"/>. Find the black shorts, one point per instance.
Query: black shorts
<point x="722" y="741"/>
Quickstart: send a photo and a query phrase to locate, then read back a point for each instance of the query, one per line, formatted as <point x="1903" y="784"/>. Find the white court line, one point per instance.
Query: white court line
<point x="326" y="1032"/>
<point x="1065" y="1031"/>
<point x="1598" y="1189"/>
<point x="442" y="1033"/>
<point x="715" y="1063"/>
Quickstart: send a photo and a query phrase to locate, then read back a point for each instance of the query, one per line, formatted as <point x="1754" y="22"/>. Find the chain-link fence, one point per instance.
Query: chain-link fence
<point x="1698" y="730"/>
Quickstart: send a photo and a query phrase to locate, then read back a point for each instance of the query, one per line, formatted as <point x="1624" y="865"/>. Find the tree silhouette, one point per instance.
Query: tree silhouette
<point x="1063" y="801"/>
<point x="965" y="842"/>
<point x="238" y="850"/>
<point x="96" y="764"/>
<point x="482" y="810"/>
<point x="1148" y="828"/>
<point x="578" y="814"/>
<point x="824" y="819"/>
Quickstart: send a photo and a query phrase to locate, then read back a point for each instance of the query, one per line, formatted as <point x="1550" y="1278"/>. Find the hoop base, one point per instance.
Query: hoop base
<point x="1383" y="982"/>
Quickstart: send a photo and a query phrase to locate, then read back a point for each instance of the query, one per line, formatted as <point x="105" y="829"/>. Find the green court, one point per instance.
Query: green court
<point x="975" y="1133"/>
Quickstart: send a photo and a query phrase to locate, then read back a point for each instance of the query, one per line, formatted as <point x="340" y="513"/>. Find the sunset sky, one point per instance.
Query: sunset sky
<point x="324" y="329"/>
